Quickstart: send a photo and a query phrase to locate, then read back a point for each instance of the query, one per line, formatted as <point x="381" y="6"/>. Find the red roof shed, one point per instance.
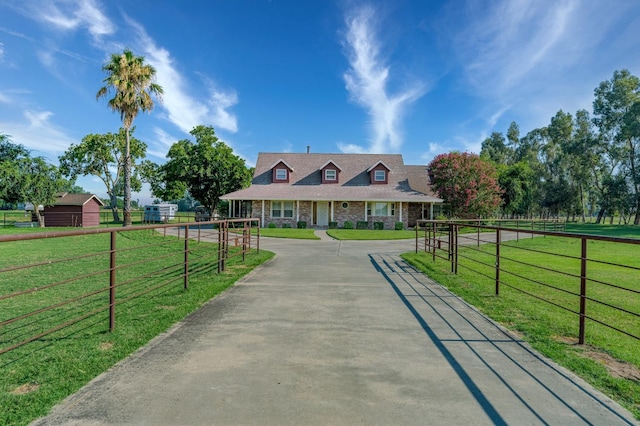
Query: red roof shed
<point x="81" y="210"/>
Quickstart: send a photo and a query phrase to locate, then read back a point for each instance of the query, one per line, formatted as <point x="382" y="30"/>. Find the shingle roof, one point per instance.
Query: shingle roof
<point x="66" y="199"/>
<point x="406" y="183"/>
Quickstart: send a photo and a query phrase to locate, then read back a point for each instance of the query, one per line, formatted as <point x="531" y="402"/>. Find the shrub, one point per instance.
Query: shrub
<point x="272" y="225"/>
<point x="348" y="224"/>
<point x="361" y="224"/>
<point x="333" y="225"/>
<point x="286" y="225"/>
<point x="441" y="217"/>
<point x="378" y="226"/>
<point x="302" y="224"/>
<point x="399" y="226"/>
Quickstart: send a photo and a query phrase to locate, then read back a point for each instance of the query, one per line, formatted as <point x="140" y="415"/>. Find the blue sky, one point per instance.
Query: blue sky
<point x="414" y="77"/>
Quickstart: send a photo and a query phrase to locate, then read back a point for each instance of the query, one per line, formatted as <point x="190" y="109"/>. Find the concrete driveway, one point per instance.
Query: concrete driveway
<point x="337" y="333"/>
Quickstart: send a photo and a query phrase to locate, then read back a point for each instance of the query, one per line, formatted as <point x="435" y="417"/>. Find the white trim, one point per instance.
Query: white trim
<point x="376" y="165"/>
<point x="335" y="175"/>
<point x="297" y="210"/>
<point x="431" y="211"/>
<point x="331" y="203"/>
<point x="330" y="162"/>
<point x="286" y="174"/>
<point x="400" y="202"/>
<point x="262" y="219"/>
<point x="283" y="162"/>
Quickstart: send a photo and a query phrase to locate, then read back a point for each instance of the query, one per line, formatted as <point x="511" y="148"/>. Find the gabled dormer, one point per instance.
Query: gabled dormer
<point x="379" y="173"/>
<point x="281" y="172"/>
<point x="330" y="172"/>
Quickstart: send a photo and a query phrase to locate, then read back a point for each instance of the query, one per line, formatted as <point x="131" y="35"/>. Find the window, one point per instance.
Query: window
<point x="281" y="174"/>
<point x="282" y="209"/>
<point x="379" y="175"/>
<point x="329" y="175"/>
<point x="381" y="209"/>
<point x="345" y="205"/>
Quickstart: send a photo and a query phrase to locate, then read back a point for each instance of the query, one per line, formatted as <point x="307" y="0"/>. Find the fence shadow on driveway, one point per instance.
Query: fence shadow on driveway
<point x="509" y="380"/>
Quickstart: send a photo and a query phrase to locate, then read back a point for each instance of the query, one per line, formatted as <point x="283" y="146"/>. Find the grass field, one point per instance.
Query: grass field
<point x="368" y="234"/>
<point x="551" y="330"/>
<point x="40" y="374"/>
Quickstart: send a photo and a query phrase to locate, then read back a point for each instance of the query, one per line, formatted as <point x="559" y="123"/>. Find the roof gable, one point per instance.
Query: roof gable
<point x="67" y="199"/>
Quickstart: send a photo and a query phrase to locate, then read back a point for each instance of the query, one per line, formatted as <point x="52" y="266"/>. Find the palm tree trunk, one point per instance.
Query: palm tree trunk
<point x="127" y="182"/>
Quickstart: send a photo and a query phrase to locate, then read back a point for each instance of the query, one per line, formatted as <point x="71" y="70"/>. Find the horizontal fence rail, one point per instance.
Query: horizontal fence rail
<point x="83" y="276"/>
<point x="104" y="217"/>
<point x="594" y="278"/>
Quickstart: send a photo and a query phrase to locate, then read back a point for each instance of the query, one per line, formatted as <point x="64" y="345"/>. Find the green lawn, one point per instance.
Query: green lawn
<point x="626" y="231"/>
<point x="368" y="234"/>
<point x="295" y="233"/>
<point x="40" y="374"/>
<point x="551" y="330"/>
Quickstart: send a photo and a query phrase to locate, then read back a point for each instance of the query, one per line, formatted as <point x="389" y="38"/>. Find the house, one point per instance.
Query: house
<point x="323" y="188"/>
<point x="80" y="210"/>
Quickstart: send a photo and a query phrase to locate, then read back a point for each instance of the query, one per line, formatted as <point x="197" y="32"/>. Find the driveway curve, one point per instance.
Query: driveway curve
<point x="336" y="333"/>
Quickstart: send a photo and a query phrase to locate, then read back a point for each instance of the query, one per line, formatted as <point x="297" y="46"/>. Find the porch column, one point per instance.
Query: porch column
<point x="422" y="211"/>
<point x="366" y="203"/>
<point x="297" y="210"/>
<point x="262" y="215"/>
<point x="229" y="208"/>
<point x="400" y="211"/>
<point x="332" y="203"/>
<point x="431" y="211"/>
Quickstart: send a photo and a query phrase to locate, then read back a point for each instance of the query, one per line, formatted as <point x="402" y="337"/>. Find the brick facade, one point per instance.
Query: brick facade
<point x="354" y="211"/>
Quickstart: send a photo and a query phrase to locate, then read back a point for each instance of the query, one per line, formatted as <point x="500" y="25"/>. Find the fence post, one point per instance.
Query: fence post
<point x="112" y="283"/>
<point x="497" y="262"/>
<point x="455" y="250"/>
<point x="258" y="236"/>
<point x="417" y="235"/>
<point x="244" y="241"/>
<point x="451" y="246"/>
<point x="433" y="246"/>
<point x="583" y="290"/>
<point x="186" y="257"/>
<point x="478" y="245"/>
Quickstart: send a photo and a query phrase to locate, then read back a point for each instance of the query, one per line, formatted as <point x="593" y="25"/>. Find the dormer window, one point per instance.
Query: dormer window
<point x="281" y="174"/>
<point x="379" y="173"/>
<point x="330" y="174"/>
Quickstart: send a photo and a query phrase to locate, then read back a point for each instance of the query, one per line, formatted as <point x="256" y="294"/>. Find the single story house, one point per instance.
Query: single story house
<point x="323" y="188"/>
<point x="79" y="210"/>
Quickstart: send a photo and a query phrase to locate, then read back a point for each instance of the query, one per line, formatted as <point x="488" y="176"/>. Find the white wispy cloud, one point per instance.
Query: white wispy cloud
<point x="367" y="83"/>
<point x="38" y="133"/>
<point x="184" y="110"/>
<point x="70" y="15"/>
<point x="535" y="57"/>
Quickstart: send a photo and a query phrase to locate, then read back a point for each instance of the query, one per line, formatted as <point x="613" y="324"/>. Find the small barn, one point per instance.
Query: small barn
<point x="79" y="210"/>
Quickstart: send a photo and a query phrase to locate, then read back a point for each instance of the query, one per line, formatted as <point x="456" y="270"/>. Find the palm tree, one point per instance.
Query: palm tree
<point x="133" y="83"/>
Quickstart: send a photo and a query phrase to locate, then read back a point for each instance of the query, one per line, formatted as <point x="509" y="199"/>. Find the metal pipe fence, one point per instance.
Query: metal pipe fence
<point x="50" y="281"/>
<point x="595" y="279"/>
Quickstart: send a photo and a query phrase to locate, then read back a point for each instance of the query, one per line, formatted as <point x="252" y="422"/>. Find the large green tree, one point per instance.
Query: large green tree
<point x="614" y="112"/>
<point x="103" y="156"/>
<point x="206" y="169"/>
<point x="27" y="179"/>
<point x="132" y="82"/>
<point x="467" y="184"/>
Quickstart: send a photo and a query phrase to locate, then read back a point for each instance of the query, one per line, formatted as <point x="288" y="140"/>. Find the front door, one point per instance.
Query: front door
<point x="322" y="209"/>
